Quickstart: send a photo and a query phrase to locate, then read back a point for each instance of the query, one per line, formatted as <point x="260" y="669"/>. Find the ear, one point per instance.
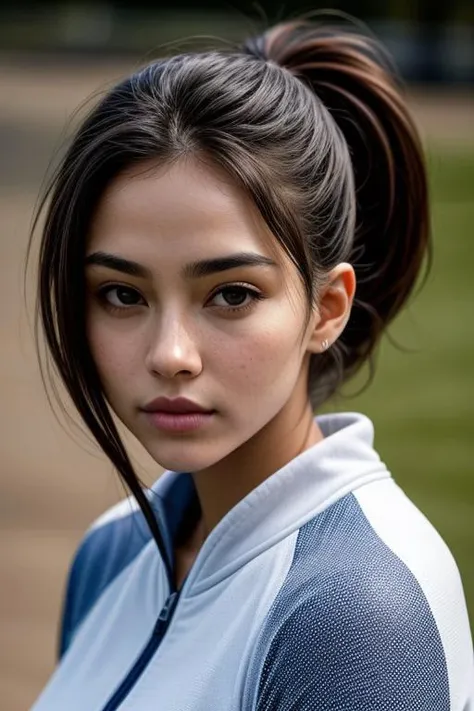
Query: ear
<point x="334" y="307"/>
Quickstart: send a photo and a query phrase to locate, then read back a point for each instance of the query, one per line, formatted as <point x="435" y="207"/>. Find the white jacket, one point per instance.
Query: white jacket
<point x="324" y="589"/>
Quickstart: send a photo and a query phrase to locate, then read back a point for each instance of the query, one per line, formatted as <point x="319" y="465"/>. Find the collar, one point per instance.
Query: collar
<point x="343" y="461"/>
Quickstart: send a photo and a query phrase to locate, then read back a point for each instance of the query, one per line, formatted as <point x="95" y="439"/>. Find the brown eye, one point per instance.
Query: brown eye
<point x="121" y="296"/>
<point x="236" y="297"/>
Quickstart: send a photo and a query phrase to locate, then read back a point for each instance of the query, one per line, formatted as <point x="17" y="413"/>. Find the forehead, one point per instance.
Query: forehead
<point x="186" y="208"/>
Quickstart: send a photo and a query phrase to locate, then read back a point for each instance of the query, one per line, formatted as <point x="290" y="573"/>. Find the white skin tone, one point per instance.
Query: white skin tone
<point x="170" y="335"/>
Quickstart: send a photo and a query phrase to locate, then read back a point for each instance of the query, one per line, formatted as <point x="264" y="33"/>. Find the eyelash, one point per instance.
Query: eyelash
<point x="255" y="296"/>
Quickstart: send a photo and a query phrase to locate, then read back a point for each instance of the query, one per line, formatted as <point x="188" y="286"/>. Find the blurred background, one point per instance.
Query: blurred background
<point x="55" y="55"/>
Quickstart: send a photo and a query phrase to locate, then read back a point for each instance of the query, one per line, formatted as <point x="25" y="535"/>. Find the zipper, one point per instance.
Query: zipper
<point x="147" y="653"/>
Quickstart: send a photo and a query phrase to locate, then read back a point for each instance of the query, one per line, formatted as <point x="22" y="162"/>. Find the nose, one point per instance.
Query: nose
<point x="173" y="350"/>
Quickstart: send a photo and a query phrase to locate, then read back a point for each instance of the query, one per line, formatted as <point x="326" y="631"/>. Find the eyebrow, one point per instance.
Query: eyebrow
<point x="193" y="270"/>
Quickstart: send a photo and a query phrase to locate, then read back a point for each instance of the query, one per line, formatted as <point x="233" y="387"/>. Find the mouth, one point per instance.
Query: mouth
<point x="177" y="406"/>
<point x="177" y="415"/>
<point x="179" y="421"/>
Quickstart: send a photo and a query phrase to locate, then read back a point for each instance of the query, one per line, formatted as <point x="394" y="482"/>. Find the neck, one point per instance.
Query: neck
<point x="222" y="486"/>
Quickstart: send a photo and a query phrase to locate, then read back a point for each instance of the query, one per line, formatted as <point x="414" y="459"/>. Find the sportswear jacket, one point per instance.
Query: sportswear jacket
<point x="323" y="589"/>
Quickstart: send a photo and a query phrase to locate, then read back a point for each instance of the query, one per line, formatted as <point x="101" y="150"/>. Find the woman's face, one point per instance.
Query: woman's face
<point x="158" y="325"/>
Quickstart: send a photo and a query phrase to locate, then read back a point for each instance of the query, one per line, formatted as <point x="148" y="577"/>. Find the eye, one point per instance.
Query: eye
<point x="235" y="296"/>
<point x="121" y="297"/>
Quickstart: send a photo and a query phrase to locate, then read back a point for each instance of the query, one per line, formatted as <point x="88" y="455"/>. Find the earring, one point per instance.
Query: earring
<point x="324" y="344"/>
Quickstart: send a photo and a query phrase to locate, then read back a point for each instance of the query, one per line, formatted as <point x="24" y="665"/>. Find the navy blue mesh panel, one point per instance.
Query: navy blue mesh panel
<point x="350" y="629"/>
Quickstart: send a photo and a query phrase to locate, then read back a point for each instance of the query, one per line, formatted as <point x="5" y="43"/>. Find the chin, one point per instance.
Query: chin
<point x="182" y="456"/>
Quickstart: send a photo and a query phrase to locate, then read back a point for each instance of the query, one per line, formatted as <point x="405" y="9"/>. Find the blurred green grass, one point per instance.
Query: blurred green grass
<point x="422" y="401"/>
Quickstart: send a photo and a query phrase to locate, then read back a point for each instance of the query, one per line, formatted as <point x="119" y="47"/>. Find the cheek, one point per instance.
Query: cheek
<point x="114" y="353"/>
<point x="263" y="357"/>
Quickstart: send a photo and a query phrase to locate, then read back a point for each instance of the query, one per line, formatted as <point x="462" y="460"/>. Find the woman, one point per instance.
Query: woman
<point x="225" y="242"/>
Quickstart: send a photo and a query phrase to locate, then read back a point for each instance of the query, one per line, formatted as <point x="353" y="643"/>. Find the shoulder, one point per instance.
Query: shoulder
<point x="107" y="548"/>
<point x="371" y="613"/>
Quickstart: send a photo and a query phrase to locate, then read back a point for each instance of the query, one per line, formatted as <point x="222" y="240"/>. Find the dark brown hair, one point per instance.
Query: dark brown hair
<point x="310" y="121"/>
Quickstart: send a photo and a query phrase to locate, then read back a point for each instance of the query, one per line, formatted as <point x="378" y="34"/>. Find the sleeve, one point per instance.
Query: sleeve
<point x="351" y="653"/>
<point x="371" y="616"/>
<point x="113" y="541"/>
<point x="70" y="612"/>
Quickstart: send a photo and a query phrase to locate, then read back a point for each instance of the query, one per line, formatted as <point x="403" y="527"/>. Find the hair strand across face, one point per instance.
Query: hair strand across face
<point x="309" y="120"/>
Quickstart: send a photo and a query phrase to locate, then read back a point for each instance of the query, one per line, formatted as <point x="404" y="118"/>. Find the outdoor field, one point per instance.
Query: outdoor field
<point x="54" y="482"/>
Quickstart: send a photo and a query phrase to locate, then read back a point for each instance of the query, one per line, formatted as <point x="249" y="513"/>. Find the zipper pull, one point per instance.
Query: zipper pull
<point x="167" y="609"/>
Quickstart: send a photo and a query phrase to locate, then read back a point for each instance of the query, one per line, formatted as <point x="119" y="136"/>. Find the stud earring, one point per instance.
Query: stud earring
<point x="324" y="344"/>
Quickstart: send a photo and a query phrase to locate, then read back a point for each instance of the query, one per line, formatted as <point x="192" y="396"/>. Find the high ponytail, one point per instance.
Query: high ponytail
<point x="354" y="79"/>
<point x="310" y="123"/>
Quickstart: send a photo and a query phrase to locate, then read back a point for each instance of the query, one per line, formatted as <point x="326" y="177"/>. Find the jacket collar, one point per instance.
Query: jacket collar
<point x="344" y="460"/>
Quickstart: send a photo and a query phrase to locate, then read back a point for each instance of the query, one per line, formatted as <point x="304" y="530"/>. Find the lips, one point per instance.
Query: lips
<point x="180" y="405"/>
